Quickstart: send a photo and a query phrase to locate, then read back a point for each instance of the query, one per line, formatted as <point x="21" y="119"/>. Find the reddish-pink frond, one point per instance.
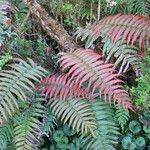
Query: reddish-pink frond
<point x="95" y="74"/>
<point x="54" y="86"/>
<point x="128" y="28"/>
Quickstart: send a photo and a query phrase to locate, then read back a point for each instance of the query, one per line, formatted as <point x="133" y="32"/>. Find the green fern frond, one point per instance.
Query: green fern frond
<point x="6" y="134"/>
<point x="106" y="132"/>
<point x="14" y="83"/>
<point x="122" y="116"/>
<point x="49" y="124"/>
<point x="142" y="7"/>
<point x="125" y="55"/>
<point x="77" y="113"/>
<point x="27" y="126"/>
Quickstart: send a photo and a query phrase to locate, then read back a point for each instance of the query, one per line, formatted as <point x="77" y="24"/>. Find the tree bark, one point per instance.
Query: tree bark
<point x="53" y="28"/>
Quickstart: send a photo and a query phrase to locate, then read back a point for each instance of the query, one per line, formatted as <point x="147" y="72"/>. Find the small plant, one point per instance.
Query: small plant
<point x="141" y="93"/>
<point x="134" y="127"/>
<point x="4" y="59"/>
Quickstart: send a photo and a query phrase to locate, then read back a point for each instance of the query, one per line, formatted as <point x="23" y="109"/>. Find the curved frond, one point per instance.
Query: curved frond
<point x="106" y="132"/>
<point x="14" y="83"/>
<point x="27" y="126"/>
<point x="6" y="134"/>
<point x="59" y="86"/>
<point x="129" y="28"/>
<point x="125" y="55"/>
<point x="86" y="65"/>
<point x="77" y="113"/>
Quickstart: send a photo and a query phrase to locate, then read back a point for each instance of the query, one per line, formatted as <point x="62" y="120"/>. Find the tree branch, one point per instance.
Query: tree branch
<point x="53" y="28"/>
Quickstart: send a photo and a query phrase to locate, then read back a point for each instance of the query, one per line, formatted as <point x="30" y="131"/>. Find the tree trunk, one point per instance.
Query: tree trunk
<point x="53" y="28"/>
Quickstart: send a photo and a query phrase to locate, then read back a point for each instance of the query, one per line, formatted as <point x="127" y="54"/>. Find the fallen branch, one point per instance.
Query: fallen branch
<point x="53" y="28"/>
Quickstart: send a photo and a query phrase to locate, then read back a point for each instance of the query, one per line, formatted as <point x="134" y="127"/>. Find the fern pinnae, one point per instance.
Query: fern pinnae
<point x="107" y="133"/>
<point x="6" y="134"/>
<point x="60" y="86"/>
<point x="125" y="55"/>
<point x="77" y="113"/>
<point x="122" y="117"/>
<point x="27" y="130"/>
<point x="50" y="122"/>
<point x="14" y="81"/>
<point x="88" y="66"/>
<point x="129" y="28"/>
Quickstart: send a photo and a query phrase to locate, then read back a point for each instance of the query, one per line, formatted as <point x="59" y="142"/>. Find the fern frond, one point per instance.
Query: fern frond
<point x="27" y="126"/>
<point x="6" y="134"/>
<point x="142" y="7"/>
<point x="14" y="83"/>
<point x="59" y="86"/>
<point x="106" y="132"/>
<point x="125" y="55"/>
<point x="86" y="65"/>
<point x="122" y="116"/>
<point x="77" y="113"/>
<point x="129" y="28"/>
<point x="50" y="123"/>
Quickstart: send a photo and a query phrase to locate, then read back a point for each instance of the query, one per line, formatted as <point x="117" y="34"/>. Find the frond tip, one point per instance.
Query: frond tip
<point x="87" y="66"/>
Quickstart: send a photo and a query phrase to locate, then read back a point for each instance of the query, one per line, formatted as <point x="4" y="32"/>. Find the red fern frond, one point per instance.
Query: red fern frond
<point x="86" y="65"/>
<point x="129" y="28"/>
<point x="54" y="86"/>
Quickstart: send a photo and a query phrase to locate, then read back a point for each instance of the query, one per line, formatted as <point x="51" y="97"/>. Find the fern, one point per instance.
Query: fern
<point x="106" y="132"/>
<point x="125" y="55"/>
<point x="50" y="123"/>
<point x="6" y="134"/>
<point x="129" y="28"/>
<point x="86" y="65"/>
<point x="122" y="116"/>
<point x="27" y="126"/>
<point x="59" y="86"/>
<point x="142" y="7"/>
<point x="14" y="83"/>
<point x="77" y="113"/>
